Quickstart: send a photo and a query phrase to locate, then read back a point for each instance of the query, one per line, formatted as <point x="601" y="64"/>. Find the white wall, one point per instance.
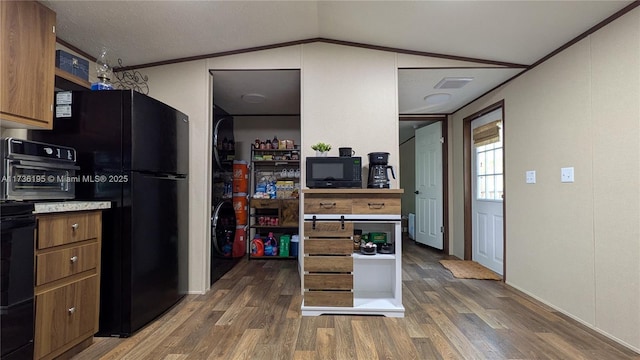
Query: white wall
<point x="575" y="246"/>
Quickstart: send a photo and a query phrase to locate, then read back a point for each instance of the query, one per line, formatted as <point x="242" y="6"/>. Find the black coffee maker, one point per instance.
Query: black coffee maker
<point x="378" y="170"/>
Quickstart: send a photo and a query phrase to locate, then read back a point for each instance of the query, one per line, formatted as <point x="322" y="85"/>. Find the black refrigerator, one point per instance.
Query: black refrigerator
<point x="133" y="151"/>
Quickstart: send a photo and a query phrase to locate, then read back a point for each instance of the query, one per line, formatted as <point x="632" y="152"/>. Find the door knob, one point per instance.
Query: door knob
<point x="416" y="192"/>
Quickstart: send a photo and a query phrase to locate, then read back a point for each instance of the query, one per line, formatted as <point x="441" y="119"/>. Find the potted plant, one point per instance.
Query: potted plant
<point x="321" y="148"/>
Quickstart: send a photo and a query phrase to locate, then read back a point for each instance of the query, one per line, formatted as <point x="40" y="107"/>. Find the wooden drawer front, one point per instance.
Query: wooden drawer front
<point x="62" y="263"/>
<point x="54" y="230"/>
<point x="64" y="314"/>
<point x="328" y="247"/>
<point x="289" y="213"/>
<point x="264" y="203"/>
<point x="376" y="206"/>
<point x="328" y="298"/>
<point x="328" y="264"/>
<point x="328" y="229"/>
<point x="327" y="206"/>
<point x="328" y="281"/>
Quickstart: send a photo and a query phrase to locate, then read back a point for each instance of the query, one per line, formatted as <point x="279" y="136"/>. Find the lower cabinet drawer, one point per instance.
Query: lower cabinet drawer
<point x="60" y="229"/>
<point x="328" y="298"/>
<point x="328" y="281"/>
<point x="62" y="263"/>
<point x="64" y="314"/>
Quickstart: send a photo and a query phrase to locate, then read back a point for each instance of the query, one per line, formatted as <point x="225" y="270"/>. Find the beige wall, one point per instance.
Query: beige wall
<point x="363" y="114"/>
<point x="407" y="175"/>
<point x="575" y="246"/>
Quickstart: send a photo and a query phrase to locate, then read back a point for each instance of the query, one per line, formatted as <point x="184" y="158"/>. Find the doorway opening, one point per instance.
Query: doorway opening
<point x="413" y="169"/>
<point x="484" y="188"/>
<point x="248" y="105"/>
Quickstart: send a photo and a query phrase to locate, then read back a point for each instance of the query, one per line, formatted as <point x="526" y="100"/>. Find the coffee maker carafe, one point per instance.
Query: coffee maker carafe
<point x="378" y="170"/>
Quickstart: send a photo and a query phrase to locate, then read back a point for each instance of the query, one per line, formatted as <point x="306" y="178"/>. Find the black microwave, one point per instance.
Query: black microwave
<point x="334" y="172"/>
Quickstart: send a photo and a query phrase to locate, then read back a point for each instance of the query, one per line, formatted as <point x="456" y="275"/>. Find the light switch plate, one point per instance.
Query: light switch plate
<point x="530" y="177"/>
<point x="566" y="175"/>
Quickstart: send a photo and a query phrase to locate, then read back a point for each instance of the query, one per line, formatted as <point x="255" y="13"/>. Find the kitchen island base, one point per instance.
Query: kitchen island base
<point x="354" y="283"/>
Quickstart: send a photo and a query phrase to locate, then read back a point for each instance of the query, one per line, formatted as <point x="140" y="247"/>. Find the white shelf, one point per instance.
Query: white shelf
<point x="365" y="303"/>
<point x="358" y="256"/>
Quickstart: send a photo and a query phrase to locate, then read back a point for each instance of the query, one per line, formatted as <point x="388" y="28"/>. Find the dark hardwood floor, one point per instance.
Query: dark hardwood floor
<point x="253" y="312"/>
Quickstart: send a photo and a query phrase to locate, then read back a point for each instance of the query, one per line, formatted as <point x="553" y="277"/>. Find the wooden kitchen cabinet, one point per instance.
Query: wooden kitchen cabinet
<point x="67" y="282"/>
<point x="27" y="64"/>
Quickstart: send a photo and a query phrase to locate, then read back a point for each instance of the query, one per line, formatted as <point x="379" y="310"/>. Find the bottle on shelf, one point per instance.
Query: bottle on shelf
<point x="275" y="143"/>
<point x="257" y="246"/>
<point x="270" y="245"/>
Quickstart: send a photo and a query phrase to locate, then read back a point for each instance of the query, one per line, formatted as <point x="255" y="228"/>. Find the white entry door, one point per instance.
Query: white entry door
<point x="488" y="193"/>
<point x="429" y="205"/>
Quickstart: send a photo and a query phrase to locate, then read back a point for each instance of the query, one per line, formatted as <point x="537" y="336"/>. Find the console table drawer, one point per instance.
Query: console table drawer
<point x="327" y="206"/>
<point x="328" y="281"/>
<point x="328" y="247"/>
<point x="376" y="206"/>
<point x="334" y="229"/>
<point x="328" y="298"/>
<point x="328" y="264"/>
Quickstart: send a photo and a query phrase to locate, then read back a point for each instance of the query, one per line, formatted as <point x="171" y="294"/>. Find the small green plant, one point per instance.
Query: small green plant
<point x="321" y="147"/>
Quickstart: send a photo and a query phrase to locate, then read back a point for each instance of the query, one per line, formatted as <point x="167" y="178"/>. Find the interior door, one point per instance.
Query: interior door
<point x="487" y="200"/>
<point x="429" y="228"/>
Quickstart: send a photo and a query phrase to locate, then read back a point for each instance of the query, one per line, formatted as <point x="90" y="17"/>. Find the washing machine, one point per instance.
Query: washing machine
<point x="223" y="231"/>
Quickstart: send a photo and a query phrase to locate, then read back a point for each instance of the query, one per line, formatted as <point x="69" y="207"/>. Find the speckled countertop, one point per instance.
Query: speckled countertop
<point x="64" y="206"/>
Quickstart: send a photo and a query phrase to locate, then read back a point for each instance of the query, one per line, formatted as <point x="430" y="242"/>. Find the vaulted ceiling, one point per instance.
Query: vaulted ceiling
<point x="516" y="33"/>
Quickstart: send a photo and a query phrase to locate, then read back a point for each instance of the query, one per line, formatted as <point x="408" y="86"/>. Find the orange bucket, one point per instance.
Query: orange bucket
<point x="240" y="207"/>
<point x="240" y="176"/>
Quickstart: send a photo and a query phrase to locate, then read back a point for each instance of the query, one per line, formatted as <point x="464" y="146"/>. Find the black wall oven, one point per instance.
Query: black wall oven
<point x="17" y="280"/>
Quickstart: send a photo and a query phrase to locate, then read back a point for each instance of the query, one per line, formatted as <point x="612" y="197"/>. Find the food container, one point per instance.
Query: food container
<point x="368" y="249"/>
<point x="378" y="237"/>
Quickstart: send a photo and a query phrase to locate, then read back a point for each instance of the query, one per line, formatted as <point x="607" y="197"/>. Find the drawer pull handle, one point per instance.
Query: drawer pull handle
<point x="327" y="205"/>
<point x="74" y="259"/>
<point x="75" y="226"/>
<point x="342" y="222"/>
<point x="72" y="310"/>
<point x="376" y="205"/>
<point x="313" y="223"/>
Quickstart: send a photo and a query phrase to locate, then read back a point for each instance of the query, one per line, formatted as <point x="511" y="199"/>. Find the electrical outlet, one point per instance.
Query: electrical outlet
<point x="566" y="175"/>
<point x="530" y="177"/>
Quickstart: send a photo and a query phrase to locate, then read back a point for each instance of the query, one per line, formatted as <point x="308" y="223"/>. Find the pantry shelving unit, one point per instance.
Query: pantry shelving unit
<point x="280" y="214"/>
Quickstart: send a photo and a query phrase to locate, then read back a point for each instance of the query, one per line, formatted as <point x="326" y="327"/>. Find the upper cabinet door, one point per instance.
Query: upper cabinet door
<point x="27" y="64"/>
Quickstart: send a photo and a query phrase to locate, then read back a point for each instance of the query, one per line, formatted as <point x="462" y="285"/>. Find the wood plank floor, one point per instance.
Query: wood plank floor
<point x="253" y="312"/>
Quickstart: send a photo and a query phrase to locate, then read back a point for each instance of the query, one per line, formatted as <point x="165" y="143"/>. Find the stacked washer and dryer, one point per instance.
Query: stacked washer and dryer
<point x="227" y="244"/>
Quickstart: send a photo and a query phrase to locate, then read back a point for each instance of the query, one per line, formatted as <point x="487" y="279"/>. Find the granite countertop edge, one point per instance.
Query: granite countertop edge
<point x="66" y="206"/>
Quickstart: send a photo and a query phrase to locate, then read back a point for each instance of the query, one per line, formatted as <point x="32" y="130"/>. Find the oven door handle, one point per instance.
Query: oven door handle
<point x="41" y="166"/>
